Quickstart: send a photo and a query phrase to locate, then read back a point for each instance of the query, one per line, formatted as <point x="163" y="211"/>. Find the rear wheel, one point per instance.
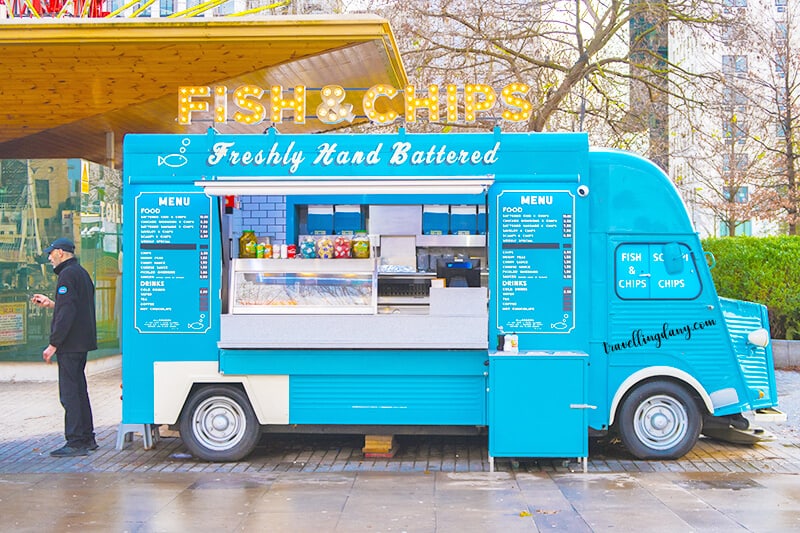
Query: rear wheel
<point x="659" y="420"/>
<point x="218" y="424"/>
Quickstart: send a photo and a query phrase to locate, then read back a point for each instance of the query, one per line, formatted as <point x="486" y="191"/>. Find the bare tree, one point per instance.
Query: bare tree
<point x="726" y="176"/>
<point x="744" y="157"/>
<point x="776" y="99"/>
<point x="596" y="65"/>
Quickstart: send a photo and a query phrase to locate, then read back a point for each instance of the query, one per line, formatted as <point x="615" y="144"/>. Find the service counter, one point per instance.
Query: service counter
<point x="333" y="304"/>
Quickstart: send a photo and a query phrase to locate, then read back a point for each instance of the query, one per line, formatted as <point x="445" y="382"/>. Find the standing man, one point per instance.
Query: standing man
<point x="73" y="333"/>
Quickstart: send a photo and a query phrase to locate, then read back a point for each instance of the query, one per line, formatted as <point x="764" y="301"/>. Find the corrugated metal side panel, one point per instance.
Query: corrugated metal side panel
<point x="354" y="362"/>
<point x="756" y="363"/>
<point x="447" y="400"/>
<point x="706" y="354"/>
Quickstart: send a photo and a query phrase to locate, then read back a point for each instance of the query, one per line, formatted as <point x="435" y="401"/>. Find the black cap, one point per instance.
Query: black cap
<point x="62" y="243"/>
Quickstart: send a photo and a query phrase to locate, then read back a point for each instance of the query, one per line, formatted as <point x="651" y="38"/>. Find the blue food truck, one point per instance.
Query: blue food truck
<point x="521" y="285"/>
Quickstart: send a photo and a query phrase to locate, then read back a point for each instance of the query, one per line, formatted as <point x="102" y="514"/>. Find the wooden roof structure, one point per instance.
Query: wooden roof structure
<point x="72" y="88"/>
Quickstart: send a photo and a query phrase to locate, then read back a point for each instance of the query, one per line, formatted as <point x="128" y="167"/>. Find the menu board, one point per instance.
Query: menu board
<point x="172" y="263"/>
<point x="535" y="250"/>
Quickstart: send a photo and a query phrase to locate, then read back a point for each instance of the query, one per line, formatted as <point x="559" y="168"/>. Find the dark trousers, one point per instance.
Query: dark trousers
<point x="74" y="396"/>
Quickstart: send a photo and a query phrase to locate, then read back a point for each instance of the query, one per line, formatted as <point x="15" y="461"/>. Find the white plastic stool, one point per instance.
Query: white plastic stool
<point x="149" y="433"/>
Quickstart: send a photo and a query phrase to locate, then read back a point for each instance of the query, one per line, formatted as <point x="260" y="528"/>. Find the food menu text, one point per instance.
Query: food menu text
<point x="536" y="261"/>
<point x="172" y="263"/>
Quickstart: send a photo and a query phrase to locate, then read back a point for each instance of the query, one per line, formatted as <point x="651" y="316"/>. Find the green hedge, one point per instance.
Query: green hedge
<point x="764" y="270"/>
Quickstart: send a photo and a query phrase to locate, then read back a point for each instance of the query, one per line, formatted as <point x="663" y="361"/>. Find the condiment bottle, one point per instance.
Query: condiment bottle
<point x="247" y="244"/>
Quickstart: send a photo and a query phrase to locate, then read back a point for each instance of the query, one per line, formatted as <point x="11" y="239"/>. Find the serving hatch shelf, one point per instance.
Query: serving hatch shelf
<point x="303" y="286"/>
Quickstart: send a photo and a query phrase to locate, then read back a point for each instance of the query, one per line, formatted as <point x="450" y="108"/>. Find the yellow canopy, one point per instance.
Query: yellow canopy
<point x="74" y="87"/>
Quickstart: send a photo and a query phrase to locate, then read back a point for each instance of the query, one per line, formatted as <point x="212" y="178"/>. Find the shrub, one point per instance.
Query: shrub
<point x="764" y="270"/>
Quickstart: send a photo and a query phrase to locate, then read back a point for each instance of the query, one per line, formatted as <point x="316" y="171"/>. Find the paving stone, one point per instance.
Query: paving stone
<point x="34" y="421"/>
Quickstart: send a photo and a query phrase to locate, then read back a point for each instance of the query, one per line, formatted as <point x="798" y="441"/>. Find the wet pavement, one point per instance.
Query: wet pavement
<point x="412" y="501"/>
<point x="437" y="484"/>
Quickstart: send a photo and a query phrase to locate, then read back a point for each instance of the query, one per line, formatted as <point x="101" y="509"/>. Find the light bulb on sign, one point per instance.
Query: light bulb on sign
<point x="372" y="96"/>
<point x="333" y="110"/>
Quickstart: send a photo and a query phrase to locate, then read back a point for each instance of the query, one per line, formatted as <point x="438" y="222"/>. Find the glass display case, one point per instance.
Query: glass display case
<point x="303" y="286"/>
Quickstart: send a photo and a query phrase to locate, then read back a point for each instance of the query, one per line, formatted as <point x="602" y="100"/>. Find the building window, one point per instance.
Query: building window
<point x="113" y="5"/>
<point x="780" y="66"/>
<point x="733" y="96"/>
<point x="167" y="8"/>
<point x="734" y="65"/>
<point x="781" y="95"/>
<point x="738" y="3"/>
<point x="781" y="33"/>
<point x="42" y="193"/>
<point x="742" y="228"/>
<point x="739" y="194"/>
<point x="735" y="131"/>
<point x="227" y="8"/>
<point x="731" y="33"/>
<point x="740" y="160"/>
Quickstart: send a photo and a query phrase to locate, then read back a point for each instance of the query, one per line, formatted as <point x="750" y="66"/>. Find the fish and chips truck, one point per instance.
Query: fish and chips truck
<point x="519" y="285"/>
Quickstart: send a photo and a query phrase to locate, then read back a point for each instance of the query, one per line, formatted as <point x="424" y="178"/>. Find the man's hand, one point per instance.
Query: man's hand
<point x="42" y="301"/>
<point x="48" y="353"/>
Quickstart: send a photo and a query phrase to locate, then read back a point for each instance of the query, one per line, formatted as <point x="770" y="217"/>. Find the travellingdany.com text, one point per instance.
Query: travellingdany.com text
<point x="638" y="338"/>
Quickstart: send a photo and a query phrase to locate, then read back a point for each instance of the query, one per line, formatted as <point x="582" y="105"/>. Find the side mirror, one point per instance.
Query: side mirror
<point x="673" y="258"/>
<point x="711" y="261"/>
<point x="759" y="337"/>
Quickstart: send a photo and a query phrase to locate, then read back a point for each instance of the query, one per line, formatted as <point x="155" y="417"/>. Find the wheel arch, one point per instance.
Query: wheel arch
<point x="198" y="385"/>
<point x="175" y="382"/>
<point x="654" y="373"/>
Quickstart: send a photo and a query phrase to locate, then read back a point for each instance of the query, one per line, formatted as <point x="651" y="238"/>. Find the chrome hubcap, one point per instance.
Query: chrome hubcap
<point x="660" y="422"/>
<point x="219" y="423"/>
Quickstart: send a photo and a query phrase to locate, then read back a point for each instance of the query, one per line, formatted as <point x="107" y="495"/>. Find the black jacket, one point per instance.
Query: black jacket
<point x="74" y="327"/>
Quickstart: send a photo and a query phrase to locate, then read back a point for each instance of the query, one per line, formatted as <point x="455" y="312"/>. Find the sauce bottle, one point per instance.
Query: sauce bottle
<point x="247" y="244"/>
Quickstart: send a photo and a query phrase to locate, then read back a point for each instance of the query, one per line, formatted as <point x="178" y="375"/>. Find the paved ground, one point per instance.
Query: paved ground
<point x="434" y="484"/>
<point x="440" y="502"/>
<point x="33" y="426"/>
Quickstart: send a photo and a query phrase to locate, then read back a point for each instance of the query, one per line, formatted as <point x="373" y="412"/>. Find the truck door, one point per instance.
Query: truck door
<point x="667" y="350"/>
<point x="538" y="294"/>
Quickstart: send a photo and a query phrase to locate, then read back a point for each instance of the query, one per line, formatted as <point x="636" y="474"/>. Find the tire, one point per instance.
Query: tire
<point x="218" y="424"/>
<point x="659" y="420"/>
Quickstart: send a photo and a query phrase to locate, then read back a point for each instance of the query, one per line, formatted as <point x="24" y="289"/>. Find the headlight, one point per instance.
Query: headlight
<point x="759" y="337"/>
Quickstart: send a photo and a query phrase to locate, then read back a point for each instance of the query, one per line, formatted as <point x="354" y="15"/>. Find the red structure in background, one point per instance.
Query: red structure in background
<point x="53" y="8"/>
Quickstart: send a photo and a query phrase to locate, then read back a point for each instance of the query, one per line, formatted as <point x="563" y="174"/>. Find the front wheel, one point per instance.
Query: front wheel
<point x="659" y="420"/>
<point x="218" y="424"/>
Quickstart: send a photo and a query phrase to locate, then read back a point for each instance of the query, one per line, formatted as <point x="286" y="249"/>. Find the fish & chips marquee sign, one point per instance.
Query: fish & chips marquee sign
<point x="254" y="104"/>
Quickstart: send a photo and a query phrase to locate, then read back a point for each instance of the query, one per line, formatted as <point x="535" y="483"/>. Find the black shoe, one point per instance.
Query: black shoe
<point x="90" y="445"/>
<point x="69" y="451"/>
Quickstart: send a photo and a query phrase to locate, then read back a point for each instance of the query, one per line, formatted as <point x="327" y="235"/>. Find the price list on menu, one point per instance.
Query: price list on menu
<point x="172" y="263"/>
<point x="535" y="258"/>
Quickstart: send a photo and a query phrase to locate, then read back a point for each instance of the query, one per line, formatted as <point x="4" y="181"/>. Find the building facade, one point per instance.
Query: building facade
<point x="731" y="150"/>
<point x="41" y="200"/>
